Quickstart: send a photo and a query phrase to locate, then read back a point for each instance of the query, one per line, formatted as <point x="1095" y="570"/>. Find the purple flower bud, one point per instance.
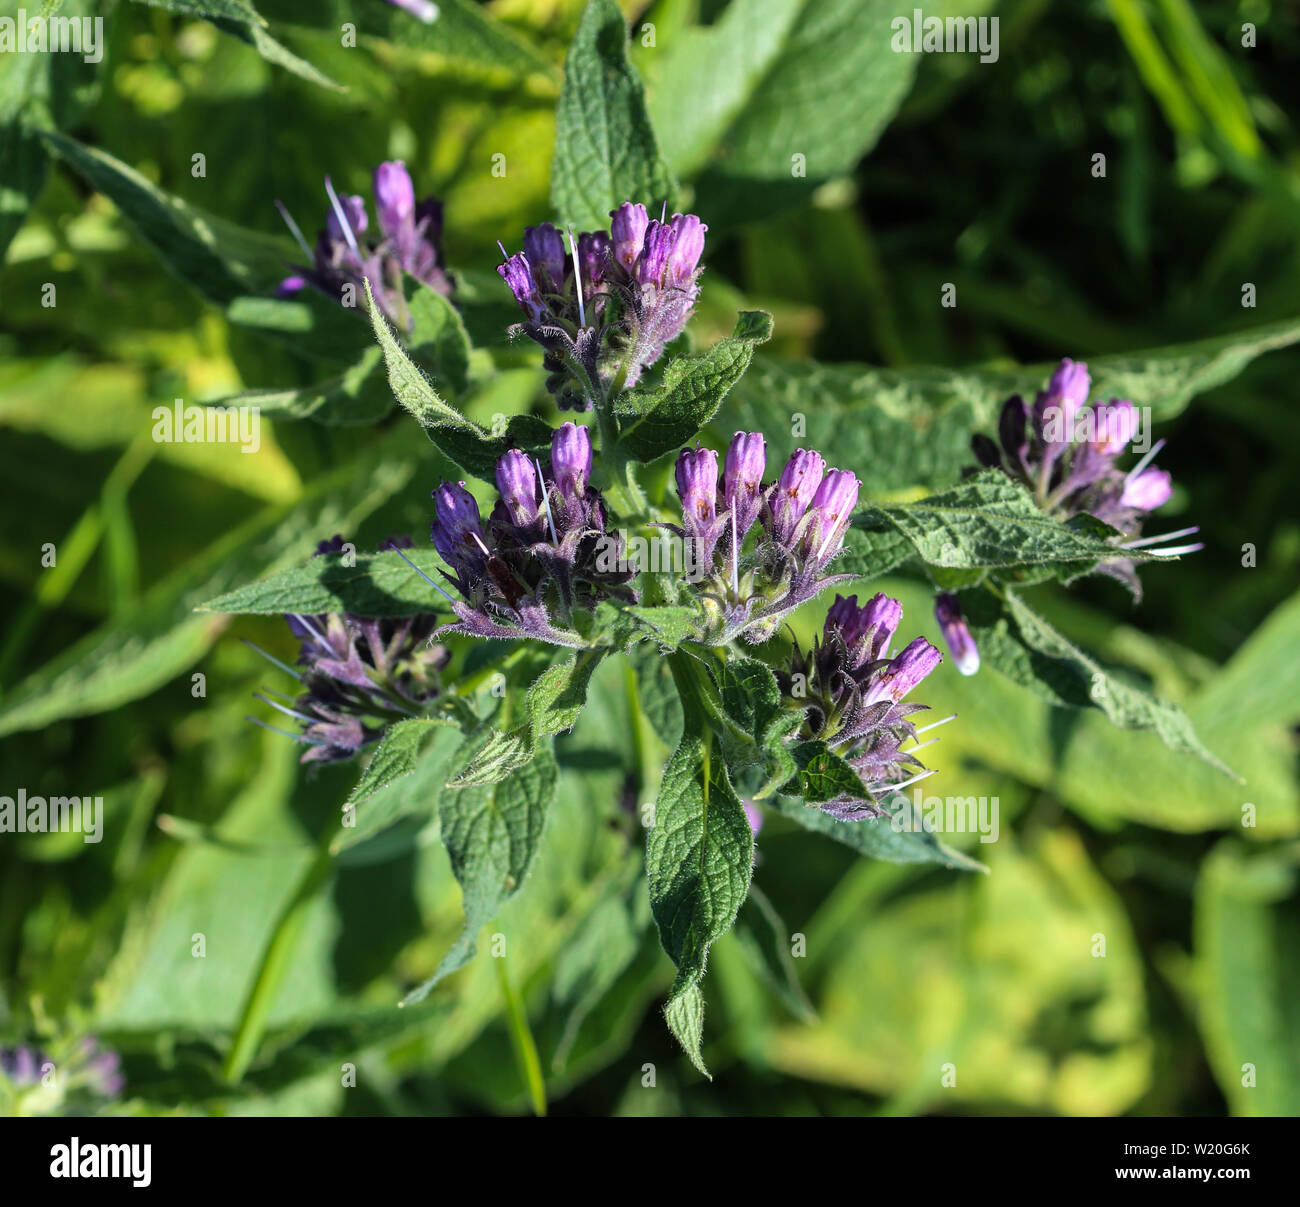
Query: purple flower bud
<point x="1055" y="409"/>
<point x="798" y="483"/>
<point x="1149" y="490"/>
<point x="544" y="247"/>
<point x="659" y="243"/>
<point x="688" y="247"/>
<point x="517" y="482"/>
<point x="872" y="625"/>
<point x="697" y="486"/>
<point x="743" y="478"/>
<point x="753" y="815"/>
<point x="518" y="274"/>
<point x="455" y="525"/>
<point x="986" y="451"/>
<point x="571" y="459"/>
<point x="627" y="229"/>
<point x="593" y="257"/>
<point x="952" y="624"/>
<point x="1114" y="425"/>
<point x="831" y="508"/>
<point x="289" y="286"/>
<point x="1011" y="427"/>
<point x="394" y="196"/>
<point x="905" y="671"/>
<point x="354" y="209"/>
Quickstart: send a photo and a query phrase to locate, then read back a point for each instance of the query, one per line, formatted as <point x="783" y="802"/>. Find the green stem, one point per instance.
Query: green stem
<point x="277" y="957"/>
<point x="521" y="1040"/>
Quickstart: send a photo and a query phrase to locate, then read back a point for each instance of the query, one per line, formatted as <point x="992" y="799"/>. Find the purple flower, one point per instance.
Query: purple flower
<point x="517" y="482"/>
<point x="1147" y="490"/>
<point x="905" y="671"/>
<point x="571" y="459"/>
<point x="957" y="634"/>
<point x="347" y="254"/>
<point x="627" y="229"/>
<point x="1114" y="425"/>
<point x="1056" y="408"/>
<point x="829" y="514"/>
<point x="635" y="290"/>
<point x="697" y="485"/>
<point x="865" y="631"/>
<point x="456" y="530"/>
<point x="394" y="196"/>
<point x="795" y="489"/>
<point x="743" y="479"/>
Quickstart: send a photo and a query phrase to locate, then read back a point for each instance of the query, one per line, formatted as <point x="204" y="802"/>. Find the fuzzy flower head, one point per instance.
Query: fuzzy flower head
<point x="854" y="695"/>
<point x="349" y="252"/>
<point x="604" y="305"/>
<point x="1066" y="452"/>
<point x="542" y="558"/>
<point x="798" y="524"/>
<point x="356" y="674"/>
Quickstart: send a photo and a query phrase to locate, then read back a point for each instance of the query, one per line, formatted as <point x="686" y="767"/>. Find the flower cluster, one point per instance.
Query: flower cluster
<point x="357" y="674"/>
<point x="801" y="520"/>
<point x="604" y="309"/>
<point x="349" y="253"/>
<point x="853" y="693"/>
<point x="1067" y="452"/>
<point x="85" y="1069"/>
<point x="544" y="550"/>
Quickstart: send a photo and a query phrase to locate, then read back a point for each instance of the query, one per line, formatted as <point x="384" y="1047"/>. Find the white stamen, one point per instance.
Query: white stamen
<point x="478" y="540"/>
<point x="1164" y="536"/>
<point x="424" y="576"/>
<point x="546" y="499"/>
<point x="288" y="712"/>
<point x="284" y="733"/>
<point x="288" y="670"/>
<point x="663" y="214"/>
<point x="577" y="279"/>
<point x="1178" y="550"/>
<point x="293" y="229"/>
<point x="341" y="215"/>
<point x="821" y="553"/>
<point x="897" y="787"/>
<point x="918" y="746"/>
<point x="936" y="724"/>
<point x="502" y="246"/>
<point x="311" y="628"/>
<point x="1141" y="465"/>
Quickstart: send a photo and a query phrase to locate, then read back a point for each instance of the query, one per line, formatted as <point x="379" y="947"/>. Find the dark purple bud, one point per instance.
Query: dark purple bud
<point x="832" y="508"/>
<point x="571" y="459"/>
<point x="627" y="230"/>
<point x="1148" y="490"/>
<point x="798" y="483"/>
<point x="544" y="247"/>
<point x="335" y="544"/>
<point x="697" y="486"/>
<point x="659" y="242"/>
<point x="394" y="196"/>
<point x="1114" y="425"/>
<point x="687" y="248"/>
<point x="952" y="624"/>
<point x="905" y="671"/>
<point x="1011" y="427"/>
<point x="985" y="450"/>
<point x="354" y="210"/>
<point x="593" y="257"/>
<point x="743" y="478"/>
<point x="518" y="274"/>
<point x="517" y="482"/>
<point x="456" y="525"/>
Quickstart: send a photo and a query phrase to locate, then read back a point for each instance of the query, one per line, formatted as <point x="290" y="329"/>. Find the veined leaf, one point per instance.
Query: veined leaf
<point x="658" y="419"/>
<point x="605" y="148"/>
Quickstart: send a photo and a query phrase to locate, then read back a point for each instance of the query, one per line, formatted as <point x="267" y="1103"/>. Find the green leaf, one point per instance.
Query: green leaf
<point x="453" y="433"/>
<point x="656" y="691"/>
<point x="773" y="79"/>
<point x="380" y="584"/>
<point x="358" y="395"/>
<point x="765" y="939"/>
<point x="438" y="341"/>
<point x="887" y="839"/>
<point x="310" y="324"/>
<point x="553" y="704"/>
<point x="219" y="259"/>
<point x="605" y="148"/>
<point x="699" y="857"/>
<point x="1016" y="641"/>
<point x="491" y="832"/>
<point x="242" y="21"/>
<point x="654" y="420"/>
<point x="988" y="522"/>
<point x="147" y="645"/>
<point x="825" y="775"/>
<point x="1247" y="947"/>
